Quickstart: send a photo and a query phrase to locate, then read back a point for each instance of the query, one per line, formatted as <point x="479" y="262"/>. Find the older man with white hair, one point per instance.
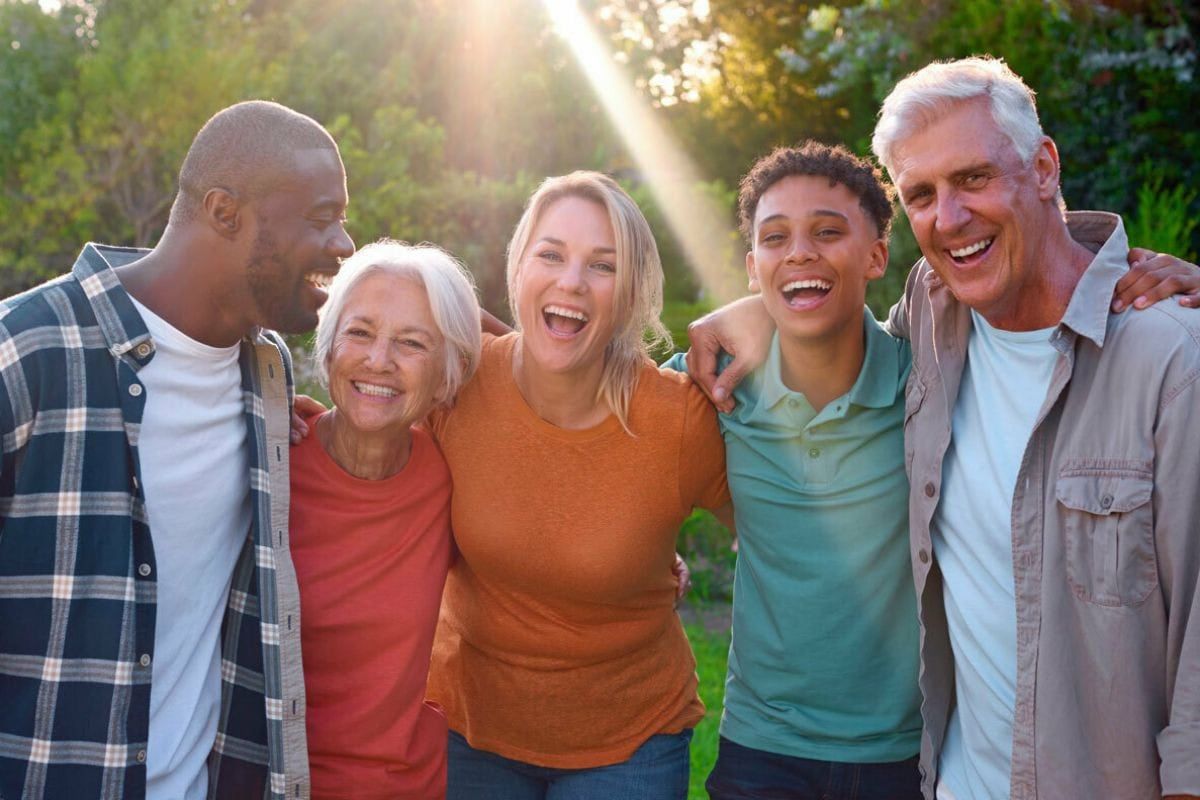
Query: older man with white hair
<point x="1052" y="461"/>
<point x="1050" y="445"/>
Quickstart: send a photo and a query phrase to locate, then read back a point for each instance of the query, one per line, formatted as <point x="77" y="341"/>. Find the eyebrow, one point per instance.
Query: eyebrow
<point x="816" y="212"/>
<point x="327" y="205"/>
<point x="561" y="243"/>
<point x="372" y="321"/>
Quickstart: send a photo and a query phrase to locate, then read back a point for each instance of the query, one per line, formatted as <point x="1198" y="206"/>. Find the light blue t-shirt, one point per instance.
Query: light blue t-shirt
<point x="1003" y="387"/>
<point x="823" y="660"/>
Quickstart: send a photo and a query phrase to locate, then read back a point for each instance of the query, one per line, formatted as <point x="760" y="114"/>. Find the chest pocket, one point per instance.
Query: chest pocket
<point x="1109" y="527"/>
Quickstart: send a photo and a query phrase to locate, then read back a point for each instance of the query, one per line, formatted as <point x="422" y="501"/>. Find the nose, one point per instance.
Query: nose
<point x="571" y="276"/>
<point x="801" y="250"/>
<point x="340" y="245"/>
<point x="379" y="354"/>
<point x="951" y="213"/>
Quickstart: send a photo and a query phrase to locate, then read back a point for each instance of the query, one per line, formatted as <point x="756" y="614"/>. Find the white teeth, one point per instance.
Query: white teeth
<point x="963" y="252"/>
<point x="373" y="390"/>
<point x="319" y="279"/>
<point x="559" y="311"/>
<point x="810" y="283"/>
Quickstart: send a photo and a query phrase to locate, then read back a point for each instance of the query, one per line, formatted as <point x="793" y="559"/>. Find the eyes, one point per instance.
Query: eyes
<point x="823" y="233"/>
<point x="555" y="257"/>
<point x="361" y="335"/>
<point x="323" y="221"/>
<point x="973" y="181"/>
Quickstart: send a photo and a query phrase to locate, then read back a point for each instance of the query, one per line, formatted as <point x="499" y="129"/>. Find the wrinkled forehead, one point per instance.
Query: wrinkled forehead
<point x="951" y="137"/>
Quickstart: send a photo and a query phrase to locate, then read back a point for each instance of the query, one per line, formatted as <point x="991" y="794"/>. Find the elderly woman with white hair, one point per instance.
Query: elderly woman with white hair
<point x="370" y="519"/>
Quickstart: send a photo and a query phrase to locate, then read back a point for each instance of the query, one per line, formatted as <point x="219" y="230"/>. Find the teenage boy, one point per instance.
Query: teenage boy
<point x="821" y="696"/>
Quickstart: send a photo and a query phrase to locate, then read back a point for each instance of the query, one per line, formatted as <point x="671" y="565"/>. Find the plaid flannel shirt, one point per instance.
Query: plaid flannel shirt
<point x="77" y="568"/>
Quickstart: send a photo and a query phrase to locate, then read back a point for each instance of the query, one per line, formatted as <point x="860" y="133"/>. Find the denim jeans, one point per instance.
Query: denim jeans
<point x="658" y="770"/>
<point x="743" y="773"/>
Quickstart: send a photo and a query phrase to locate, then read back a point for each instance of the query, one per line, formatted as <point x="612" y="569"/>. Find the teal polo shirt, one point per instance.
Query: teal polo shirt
<point x="823" y="660"/>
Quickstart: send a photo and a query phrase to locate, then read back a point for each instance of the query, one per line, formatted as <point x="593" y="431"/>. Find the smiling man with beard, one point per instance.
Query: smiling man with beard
<point x="149" y="618"/>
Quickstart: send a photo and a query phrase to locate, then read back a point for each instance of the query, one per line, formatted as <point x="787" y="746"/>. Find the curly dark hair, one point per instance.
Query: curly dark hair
<point x="834" y="162"/>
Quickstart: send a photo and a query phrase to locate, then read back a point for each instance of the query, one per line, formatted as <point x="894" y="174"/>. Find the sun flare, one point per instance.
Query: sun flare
<point x="700" y="225"/>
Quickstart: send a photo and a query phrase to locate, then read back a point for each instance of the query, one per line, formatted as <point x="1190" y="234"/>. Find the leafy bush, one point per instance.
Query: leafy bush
<point x="706" y="545"/>
<point x="1165" y="219"/>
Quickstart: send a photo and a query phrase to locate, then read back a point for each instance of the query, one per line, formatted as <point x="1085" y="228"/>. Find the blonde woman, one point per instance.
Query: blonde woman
<point x="559" y="659"/>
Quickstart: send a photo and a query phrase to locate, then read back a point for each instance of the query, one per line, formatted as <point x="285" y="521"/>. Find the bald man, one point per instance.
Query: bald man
<point x="149" y="618"/>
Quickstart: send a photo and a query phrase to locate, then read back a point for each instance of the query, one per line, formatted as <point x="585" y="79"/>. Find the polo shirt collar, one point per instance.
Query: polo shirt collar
<point x="875" y="386"/>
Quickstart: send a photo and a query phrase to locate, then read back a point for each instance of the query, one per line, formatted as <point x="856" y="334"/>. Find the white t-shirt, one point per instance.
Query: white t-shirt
<point x="1003" y="387"/>
<point x="195" y="472"/>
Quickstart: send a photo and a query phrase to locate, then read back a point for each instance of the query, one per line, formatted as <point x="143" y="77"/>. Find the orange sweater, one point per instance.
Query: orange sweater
<point x="558" y="642"/>
<point x="371" y="558"/>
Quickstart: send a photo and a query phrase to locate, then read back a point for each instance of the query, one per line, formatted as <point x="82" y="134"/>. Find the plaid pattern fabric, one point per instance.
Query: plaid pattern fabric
<point x="77" y="568"/>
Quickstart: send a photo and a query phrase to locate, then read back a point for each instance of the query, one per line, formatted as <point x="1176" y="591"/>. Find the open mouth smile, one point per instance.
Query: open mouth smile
<point x="373" y="390"/>
<point x="806" y="293"/>
<point x="563" y="321"/>
<point x="972" y="252"/>
<point x="318" y="280"/>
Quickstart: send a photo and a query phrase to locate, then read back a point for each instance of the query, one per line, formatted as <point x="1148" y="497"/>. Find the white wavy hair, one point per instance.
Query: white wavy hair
<point x="451" y="292"/>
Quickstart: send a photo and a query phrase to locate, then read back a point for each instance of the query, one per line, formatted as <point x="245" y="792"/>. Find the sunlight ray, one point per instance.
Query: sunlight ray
<point x="700" y="225"/>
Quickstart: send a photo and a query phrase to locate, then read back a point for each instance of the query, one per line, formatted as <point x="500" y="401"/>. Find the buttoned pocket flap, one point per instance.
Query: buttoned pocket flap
<point x="1104" y="494"/>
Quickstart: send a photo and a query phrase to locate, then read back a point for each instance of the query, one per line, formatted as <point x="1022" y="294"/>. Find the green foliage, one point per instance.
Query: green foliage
<point x="1165" y="219"/>
<point x="706" y="545"/>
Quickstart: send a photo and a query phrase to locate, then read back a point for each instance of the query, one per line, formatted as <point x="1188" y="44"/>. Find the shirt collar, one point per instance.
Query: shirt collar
<point x="875" y="386"/>
<point x="1104" y="234"/>
<point x="118" y="320"/>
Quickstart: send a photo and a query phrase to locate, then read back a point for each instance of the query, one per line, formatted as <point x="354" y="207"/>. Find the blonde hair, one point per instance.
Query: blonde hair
<point x="452" y="301"/>
<point x="638" y="300"/>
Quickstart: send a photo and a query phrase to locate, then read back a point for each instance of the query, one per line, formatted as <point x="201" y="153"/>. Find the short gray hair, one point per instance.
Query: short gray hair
<point x="927" y="94"/>
<point x="451" y="292"/>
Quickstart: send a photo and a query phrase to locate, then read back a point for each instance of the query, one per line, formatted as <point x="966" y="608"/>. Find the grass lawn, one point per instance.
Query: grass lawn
<point x="710" y="642"/>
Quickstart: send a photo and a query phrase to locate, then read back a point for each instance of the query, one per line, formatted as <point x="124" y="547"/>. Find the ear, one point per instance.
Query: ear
<point x="877" y="265"/>
<point x="752" y="273"/>
<point x="1046" y="168"/>
<point x="223" y="212"/>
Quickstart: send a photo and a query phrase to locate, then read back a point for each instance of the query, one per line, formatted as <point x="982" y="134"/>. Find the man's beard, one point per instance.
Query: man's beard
<point x="276" y="289"/>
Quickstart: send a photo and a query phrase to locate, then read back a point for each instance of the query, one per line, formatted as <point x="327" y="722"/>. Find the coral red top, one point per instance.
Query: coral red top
<point x="371" y="558"/>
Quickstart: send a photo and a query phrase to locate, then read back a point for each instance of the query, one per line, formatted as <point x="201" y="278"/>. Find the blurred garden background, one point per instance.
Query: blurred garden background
<point x="449" y="112"/>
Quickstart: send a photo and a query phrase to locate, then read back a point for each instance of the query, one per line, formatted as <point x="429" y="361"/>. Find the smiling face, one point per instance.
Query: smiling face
<point x="299" y="239"/>
<point x="386" y="359"/>
<point x="814" y="250"/>
<point x="565" y="288"/>
<point x="980" y="215"/>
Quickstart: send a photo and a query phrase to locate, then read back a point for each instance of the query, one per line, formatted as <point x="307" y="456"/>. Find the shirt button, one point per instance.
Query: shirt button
<point x="930" y="490"/>
<point x="814" y="452"/>
<point x="144" y="660"/>
<point x="135" y="389"/>
<point x="143" y="570"/>
<point x="141" y="756"/>
<point x="923" y="555"/>
<point x="793" y="402"/>
<point x="143" y="349"/>
<point x="1106" y="501"/>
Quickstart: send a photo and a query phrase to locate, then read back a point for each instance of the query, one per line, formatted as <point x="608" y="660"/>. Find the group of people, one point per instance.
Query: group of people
<point x="460" y="580"/>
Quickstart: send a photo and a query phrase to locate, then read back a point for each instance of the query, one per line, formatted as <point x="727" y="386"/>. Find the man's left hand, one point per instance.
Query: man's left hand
<point x="1156" y="276"/>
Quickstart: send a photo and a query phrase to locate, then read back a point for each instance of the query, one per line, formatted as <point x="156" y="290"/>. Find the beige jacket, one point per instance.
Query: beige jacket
<point x="1105" y="538"/>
